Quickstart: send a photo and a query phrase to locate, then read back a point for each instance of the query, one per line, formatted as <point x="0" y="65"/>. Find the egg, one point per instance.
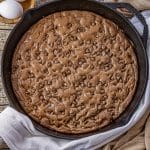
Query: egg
<point x="10" y="9"/>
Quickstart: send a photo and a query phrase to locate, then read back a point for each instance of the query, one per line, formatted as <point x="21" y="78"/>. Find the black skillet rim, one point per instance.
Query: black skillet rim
<point x="122" y="120"/>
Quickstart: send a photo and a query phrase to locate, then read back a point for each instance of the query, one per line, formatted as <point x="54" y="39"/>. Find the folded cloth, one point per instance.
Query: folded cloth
<point x="19" y="133"/>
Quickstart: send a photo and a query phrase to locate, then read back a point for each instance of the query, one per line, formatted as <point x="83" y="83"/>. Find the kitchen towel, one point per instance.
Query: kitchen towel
<point x="19" y="133"/>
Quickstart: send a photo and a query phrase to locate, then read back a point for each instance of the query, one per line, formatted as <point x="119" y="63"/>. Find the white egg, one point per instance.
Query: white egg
<point x="10" y="9"/>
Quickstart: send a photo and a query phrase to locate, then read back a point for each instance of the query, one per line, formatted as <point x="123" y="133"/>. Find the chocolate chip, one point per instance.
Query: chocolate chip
<point x="80" y="29"/>
<point x="70" y="63"/>
<point x="87" y="50"/>
<point x="76" y="84"/>
<point x="94" y="43"/>
<point x="56" y="27"/>
<point x="54" y="90"/>
<point x="45" y="53"/>
<point x="56" y="61"/>
<point x="49" y="64"/>
<point x="89" y="76"/>
<point x="45" y="70"/>
<point x="81" y="61"/>
<point x="72" y="38"/>
<point x="27" y="92"/>
<point x="65" y="43"/>
<point x="93" y="23"/>
<point x="107" y="66"/>
<point x="59" y="42"/>
<point x="118" y="77"/>
<point x="81" y="42"/>
<point x="69" y="25"/>
<point x="91" y="66"/>
<point x="66" y="72"/>
<point x="94" y="47"/>
<point x="68" y="53"/>
<point x="41" y="85"/>
<point x="83" y="77"/>
<point x="89" y="84"/>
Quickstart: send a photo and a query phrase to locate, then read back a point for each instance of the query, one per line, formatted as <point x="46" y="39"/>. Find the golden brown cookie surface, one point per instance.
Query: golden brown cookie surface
<point x="74" y="71"/>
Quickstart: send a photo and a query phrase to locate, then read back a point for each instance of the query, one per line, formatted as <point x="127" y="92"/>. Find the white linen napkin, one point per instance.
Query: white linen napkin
<point x="19" y="133"/>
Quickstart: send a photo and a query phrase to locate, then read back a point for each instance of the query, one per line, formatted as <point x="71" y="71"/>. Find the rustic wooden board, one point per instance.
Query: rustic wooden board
<point x="3" y="36"/>
<point x="5" y="29"/>
<point x="3" y="146"/>
<point x="6" y="26"/>
<point x="3" y="99"/>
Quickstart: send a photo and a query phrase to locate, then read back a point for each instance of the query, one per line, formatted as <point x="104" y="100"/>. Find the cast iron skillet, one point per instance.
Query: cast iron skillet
<point x="33" y="15"/>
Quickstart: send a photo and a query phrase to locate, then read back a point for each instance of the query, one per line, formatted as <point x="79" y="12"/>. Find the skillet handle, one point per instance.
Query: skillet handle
<point x="129" y="10"/>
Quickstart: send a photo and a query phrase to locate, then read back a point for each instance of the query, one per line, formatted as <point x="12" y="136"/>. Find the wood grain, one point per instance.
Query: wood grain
<point x="5" y="30"/>
<point x="3" y="37"/>
<point x="6" y="26"/>
<point x="3" y="99"/>
<point x="3" y="146"/>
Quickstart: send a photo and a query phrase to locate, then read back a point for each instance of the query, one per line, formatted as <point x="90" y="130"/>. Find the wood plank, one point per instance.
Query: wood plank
<point x="3" y="99"/>
<point x="3" y="37"/>
<point x="0" y="64"/>
<point x="6" y="26"/>
<point x="3" y="107"/>
<point x="3" y="145"/>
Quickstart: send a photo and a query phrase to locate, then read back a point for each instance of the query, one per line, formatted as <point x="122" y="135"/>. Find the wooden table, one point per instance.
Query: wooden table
<point x="5" y="29"/>
<point x="4" y="32"/>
